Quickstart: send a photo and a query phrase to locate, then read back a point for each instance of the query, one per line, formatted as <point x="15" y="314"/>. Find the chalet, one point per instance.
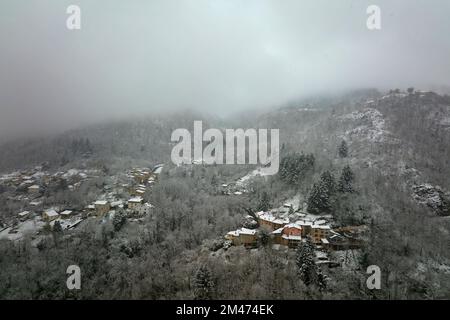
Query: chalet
<point x="243" y="236"/>
<point x="102" y="207"/>
<point x="50" y="215"/>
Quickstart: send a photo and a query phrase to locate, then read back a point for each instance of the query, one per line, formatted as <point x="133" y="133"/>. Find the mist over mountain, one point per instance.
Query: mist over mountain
<point x="217" y="57"/>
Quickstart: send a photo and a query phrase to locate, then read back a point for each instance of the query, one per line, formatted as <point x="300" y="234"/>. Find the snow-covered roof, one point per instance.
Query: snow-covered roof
<point x="135" y="200"/>
<point x="269" y="217"/>
<point x="293" y="225"/>
<point x="51" y="213"/>
<point x="278" y="231"/>
<point x="34" y="186"/>
<point x="245" y="231"/>
<point x="23" y="213"/>
<point x="325" y="227"/>
<point x="101" y="202"/>
<point x="66" y="213"/>
<point x="291" y="237"/>
<point x="116" y="203"/>
<point x="234" y="233"/>
<point x="304" y="223"/>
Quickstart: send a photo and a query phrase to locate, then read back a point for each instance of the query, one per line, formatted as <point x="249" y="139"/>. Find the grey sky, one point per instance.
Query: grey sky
<point x="133" y="57"/>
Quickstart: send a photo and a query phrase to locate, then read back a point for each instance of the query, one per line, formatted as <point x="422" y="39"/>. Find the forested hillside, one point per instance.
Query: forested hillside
<point x="364" y="159"/>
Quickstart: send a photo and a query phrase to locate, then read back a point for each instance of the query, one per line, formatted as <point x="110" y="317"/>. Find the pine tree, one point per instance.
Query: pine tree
<point x="346" y="180"/>
<point x="294" y="167"/>
<point x="118" y="220"/>
<point x="319" y="199"/>
<point x="263" y="237"/>
<point x="203" y="284"/>
<point x="343" y="149"/>
<point x="264" y="202"/>
<point x="57" y="227"/>
<point x="328" y="182"/>
<point x="307" y="269"/>
<point x="321" y="279"/>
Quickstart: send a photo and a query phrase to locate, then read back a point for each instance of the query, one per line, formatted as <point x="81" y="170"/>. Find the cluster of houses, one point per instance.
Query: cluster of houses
<point x="27" y="187"/>
<point x="290" y="232"/>
<point x="142" y="179"/>
<point x="35" y="181"/>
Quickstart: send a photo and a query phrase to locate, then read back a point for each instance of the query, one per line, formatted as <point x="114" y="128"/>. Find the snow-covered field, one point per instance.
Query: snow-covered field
<point x="242" y="182"/>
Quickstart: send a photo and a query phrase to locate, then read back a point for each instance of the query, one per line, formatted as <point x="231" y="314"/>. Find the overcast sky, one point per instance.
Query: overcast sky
<point x="133" y="57"/>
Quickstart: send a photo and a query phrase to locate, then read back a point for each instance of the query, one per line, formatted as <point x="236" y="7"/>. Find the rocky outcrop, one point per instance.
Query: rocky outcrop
<point x="433" y="197"/>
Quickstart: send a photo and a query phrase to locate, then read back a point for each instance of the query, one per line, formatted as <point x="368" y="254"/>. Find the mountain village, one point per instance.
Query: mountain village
<point x="29" y="190"/>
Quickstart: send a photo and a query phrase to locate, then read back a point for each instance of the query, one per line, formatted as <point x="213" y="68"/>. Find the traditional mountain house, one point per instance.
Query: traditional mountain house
<point x="134" y="203"/>
<point x="102" y="207"/>
<point x="50" y="215"/>
<point x="23" y="215"/>
<point x="270" y="222"/>
<point x="66" y="214"/>
<point x="243" y="236"/>
<point x="319" y="232"/>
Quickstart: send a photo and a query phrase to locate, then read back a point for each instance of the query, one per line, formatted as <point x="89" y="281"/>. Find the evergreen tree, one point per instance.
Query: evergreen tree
<point x="118" y="220"/>
<point x="264" y="202"/>
<point x="263" y="237"/>
<point x="203" y="284"/>
<point x="319" y="199"/>
<point x="307" y="269"/>
<point x="295" y="167"/>
<point x="328" y="181"/>
<point x="321" y="279"/>
<point x="57" y="227"/>
<point x="346" y="180"/>
<point x="343" y="149"/>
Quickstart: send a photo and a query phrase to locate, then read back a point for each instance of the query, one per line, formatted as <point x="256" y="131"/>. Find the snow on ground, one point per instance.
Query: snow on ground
<point x="242" y="182"/>
<point x="372" y="126"/>
<point x="23" y="228"/>
<point x="349" y="259"/>
<point x="295" y="202"/>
